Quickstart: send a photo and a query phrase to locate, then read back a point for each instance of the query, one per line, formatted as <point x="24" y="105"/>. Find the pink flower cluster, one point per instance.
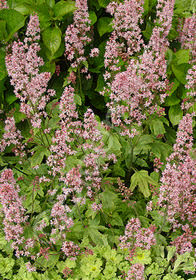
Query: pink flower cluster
<point x="64" y="136"/>
<point x="13" y="210"/>
<point x="136" y="92"/>
<point x="177" y="192"/>
<point x="96" y="207"/>
<point x="137" y="237"/>
<point x="127" y="15"/>
<point x="158" y="41"/>
<point x="136" y="272"/>
<point x="187" y="37"/>
<point x="70" y="249"/>
<point x="60" y="221"/>
<point x="77" y="36"/>
<point x="12" y="136"/>
<point x="76" y="137"/>
<point x="183" y="242"/>
<point x="3" y="4"/>
<point x="157" y="164"/>
<point x="23" y="65"/>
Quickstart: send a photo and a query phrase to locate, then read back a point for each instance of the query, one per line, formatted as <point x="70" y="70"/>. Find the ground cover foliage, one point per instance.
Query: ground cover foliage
<point x="98" y="158"/>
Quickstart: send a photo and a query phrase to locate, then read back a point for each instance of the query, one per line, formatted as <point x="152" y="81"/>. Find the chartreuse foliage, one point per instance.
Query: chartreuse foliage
<point x="66" y="152"/>
<point x="103" y="262"/>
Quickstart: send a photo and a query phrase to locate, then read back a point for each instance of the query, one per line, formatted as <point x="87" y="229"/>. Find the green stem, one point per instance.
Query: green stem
<point x="33" y="200"/>
<point x="80" y="214"/>
<point x="12" y="166"/>
<point x="47" y="195"/>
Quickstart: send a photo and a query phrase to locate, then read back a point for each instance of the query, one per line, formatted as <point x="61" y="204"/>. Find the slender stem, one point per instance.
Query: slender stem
<point x="79" y="214"/>
<point x="42" y="131"/>
<point x="80" y="81"/>
<point x="164" y="221"/>
<point x="47" y="195"/>
<point x="16" y="168"/>
<point x="143" y="132"/>
<point x="33" y="199"/>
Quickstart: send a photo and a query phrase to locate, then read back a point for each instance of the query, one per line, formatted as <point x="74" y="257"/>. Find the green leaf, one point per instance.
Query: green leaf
<point x="172" y="100"/>
<point x="3" y="70"/>
<point x="100" y="83"/>
<point x="114" y="143"/>
<point x="160" y="222"/>
<point x="94" y="234"/>
<point x="157" y="127"/>
<point x="155" y="176"/>
<point x="92" y="17"/>
<point x="175" y="85"/>
<point x="52" y="108"/>
<point x="14" y="21"/>
<point x="6" y="266"/>
<point x="146" y="7"/>
<point x="76" y="231"/>
<point x="175" y="114"/>
<point x="43" y="216"/>
<point x="11" y="99"/>
<point x="170" y="135"/>
<point x="22" y="8"/>
<point x="103" y="3"/>
<point x="38" y="156"/>
<point x="104" y="25"/>
<point x="51" y="275"/>
<point x="148" y="31"/>
<point x="142" y="180"/>
<point x="182" y="56"/>
<point x="77" y="99"/>
<point x="5" y="245"/>
<point x="141" y="256"/>
<point x="108" y="199"/>
<point x="18" y="116"/>
<point x="50" y="262"/>
<point x="160" y="239"/>
<point x="3" y="31"/>
<point x="72" y="162"/>
<point x="169" y="57"/>
<point x="63" y="8"/>
<point x="140" y="162"/>
<point x="180" y="72"/>
<point x="184" y="258"/>
<point x="53" y="122"/>
<point x="116" y="220"/>
<point x="50" y="3"/>
<point x="142" y="145"/>
<point x="144" y="221"/>
<point x="98" y="61"/>
<point x="44" y="16"/>
<point x="171" y="252"/>
<point x="52" y="38"/>
<point x="49" y="66"/>
<point x="160" y="149"/>
<point x="172" y="34"/>
<point x="118" y="171"/>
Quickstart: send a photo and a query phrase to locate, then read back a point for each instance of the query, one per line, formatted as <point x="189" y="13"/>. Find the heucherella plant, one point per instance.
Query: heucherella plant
<point x="178" y="187"/>
<point x="23" y="65"/>
<point x="98" y="156"/>
<point x="71" y="138"/>
<point x="13" y="210"/>
<point x="78" y="35"/>
<point x="137" y="82"/>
